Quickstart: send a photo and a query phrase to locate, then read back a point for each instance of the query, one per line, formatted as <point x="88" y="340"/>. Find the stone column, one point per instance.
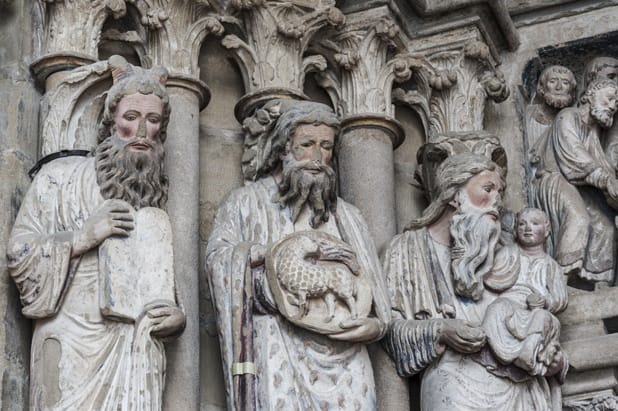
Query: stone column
<point x="176" y="46"/>
<point x="18" y="145"/>
<point x="187" y="97"/>
<point x="368" y="137"/>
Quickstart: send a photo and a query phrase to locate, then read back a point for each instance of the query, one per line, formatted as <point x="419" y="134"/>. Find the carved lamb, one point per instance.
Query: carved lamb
<point x="311" y="266"/>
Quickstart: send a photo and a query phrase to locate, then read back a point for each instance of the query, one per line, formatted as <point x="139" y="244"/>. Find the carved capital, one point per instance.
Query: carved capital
<point x="465" y="76"/>
<point x="276" y="35"/>
<point x="178" y="41"/>
<point x="74" y="27"/>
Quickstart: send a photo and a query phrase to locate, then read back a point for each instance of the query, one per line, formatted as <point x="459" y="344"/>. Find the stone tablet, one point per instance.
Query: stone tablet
<point x="137" y="270"/>
<point x="314" y="290"/>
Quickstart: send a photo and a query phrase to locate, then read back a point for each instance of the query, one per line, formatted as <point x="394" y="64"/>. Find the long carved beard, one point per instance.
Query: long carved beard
<point x="136" y="177"/>
<point x="605" y="117"/>
<point x="299" y="187"/>
<point x="475" y="235"/>
<point x="558" y="101"/>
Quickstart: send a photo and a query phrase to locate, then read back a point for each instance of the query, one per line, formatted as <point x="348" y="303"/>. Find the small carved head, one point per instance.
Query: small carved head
<point x="602" y="96"/>
<point x="557" y="86"/>
<point x="601" y="68"/>
<point x="453" y="175"/>
<point x="130" y="80"/>
<point x="532" y="227"/>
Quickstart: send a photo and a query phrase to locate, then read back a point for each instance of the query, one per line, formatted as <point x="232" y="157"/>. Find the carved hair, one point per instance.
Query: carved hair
<point x="129" y="79"/>
<point x="451" y="176"/>
<point x="555" y="69"/>
<point x="269" y="129"/>
<point x="595" y="65"/>
<point x="595" y="86"/>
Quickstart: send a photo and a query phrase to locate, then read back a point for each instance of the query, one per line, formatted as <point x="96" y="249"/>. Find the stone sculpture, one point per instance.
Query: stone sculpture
<point x="556" y="88"/>
<point x="101" y="317"/>
<point x="435" y="272"/>
<point x="577" y="186"/>
<point x="520" y="326"/>
<point x="269" y="361"/>
<point x="600" y="68"/>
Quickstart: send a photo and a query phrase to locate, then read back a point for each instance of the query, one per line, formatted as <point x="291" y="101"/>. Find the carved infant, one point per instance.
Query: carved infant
<point x="520" y="326"/>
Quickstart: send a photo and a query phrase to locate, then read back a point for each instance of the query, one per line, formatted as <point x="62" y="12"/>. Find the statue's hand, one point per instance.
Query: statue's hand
<point x="113" y="217"/>
<point x="360" y="330"/>
<point x="166" y="321"/>
<point x="461" y="336"/>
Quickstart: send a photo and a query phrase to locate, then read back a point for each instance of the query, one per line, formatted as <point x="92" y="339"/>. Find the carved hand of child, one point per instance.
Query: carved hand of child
<point x="461" y="336"/>
<point x="360" y="330"/>
<point x="113" y="217"/>
<point x="166" y="321"/>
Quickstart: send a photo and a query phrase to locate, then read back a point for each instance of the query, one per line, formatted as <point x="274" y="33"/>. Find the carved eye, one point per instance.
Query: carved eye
<point x="130" y="117"/>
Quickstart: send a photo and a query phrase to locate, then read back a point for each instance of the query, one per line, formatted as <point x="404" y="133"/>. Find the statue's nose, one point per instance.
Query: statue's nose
<point x="141" y="129"/>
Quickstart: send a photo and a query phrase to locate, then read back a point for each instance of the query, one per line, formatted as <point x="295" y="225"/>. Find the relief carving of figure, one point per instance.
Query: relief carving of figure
<point x="97" y="342"/>
<point x="556" y="88"/>
<point x="577" y="186"/>
<point x="435" y="272"/>
<point x="294" y="273"/>
<point x="520" y="326"/>
<point x="605" y="68"/>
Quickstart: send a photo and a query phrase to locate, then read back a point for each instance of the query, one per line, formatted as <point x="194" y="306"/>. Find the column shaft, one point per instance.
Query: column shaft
<point x="182" y="163"/>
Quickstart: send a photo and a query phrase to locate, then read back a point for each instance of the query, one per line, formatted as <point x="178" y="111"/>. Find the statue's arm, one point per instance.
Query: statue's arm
<point x="413" y="344"/>
<point x="39" y="256"/>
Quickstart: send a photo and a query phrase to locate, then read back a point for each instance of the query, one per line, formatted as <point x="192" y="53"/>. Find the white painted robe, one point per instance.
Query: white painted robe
<point x="296" y="369"/>
<point x="417" y="271"/>
<point x="80" y="360"/>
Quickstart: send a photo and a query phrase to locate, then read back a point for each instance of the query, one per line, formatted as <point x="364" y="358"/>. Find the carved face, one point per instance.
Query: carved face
<point x="139" y="116"/>
<point x="532" y="228"/>
<point x="483" y="191"/>
<point x="557" y="89"/>
<point x="313" y="142"/>
<point x="603" y="105"/>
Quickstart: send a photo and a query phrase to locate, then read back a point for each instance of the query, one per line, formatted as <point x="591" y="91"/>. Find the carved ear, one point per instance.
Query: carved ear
<point x="120" y="67"/>
<point x="160" y="73"/>
<point x="455" y="201"/>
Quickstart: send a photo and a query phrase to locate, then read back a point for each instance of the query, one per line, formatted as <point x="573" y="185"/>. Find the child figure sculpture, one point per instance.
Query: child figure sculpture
<point x="521" y="327"/>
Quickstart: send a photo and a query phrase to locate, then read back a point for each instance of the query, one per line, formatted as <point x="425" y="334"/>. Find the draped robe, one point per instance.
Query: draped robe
<point x="418" y="276"/>
<point x="569" y="190"/>
<point x="295" y="369"/>
<point x="80" y="360"/>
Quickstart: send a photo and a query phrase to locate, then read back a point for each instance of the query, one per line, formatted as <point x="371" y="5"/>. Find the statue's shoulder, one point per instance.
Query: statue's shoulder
<point x="62" y="168"/>
<point x="251" y="192"/>
<point x="408" y="238"/>
<point x="568" y="114"/>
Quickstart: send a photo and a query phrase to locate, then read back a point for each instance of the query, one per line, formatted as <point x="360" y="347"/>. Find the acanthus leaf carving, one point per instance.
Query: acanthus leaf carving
<point x="464" y="78"/>
<point x="270" y="54"/>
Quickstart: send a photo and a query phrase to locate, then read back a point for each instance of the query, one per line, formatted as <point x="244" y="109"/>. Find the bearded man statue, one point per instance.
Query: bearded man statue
<point x="577" y="187"/>
<point x="556" y="88"/>
<point x="435" y="272"/>
<point x="270" y="359"/>
<point x="82" y="358"/>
